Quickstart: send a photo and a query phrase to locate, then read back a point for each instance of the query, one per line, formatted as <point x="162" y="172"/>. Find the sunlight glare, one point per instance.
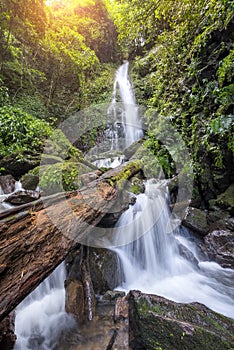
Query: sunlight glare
<point x="69" y="3"/>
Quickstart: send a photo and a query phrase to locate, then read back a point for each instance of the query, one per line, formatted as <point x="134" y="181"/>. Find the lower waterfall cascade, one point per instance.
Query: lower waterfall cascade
<point x="152" y="263"/>
<point x="41" y="317"/>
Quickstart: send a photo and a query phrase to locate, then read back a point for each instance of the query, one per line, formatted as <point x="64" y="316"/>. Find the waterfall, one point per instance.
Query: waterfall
<point x="41" y="317"/>
<point x="152" y="262"/>
<point x="125" y="111"/>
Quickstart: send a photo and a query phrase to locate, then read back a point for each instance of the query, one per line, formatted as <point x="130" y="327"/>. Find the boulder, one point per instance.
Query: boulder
<point x="220" y="247"/>
<point x="29" y="182"/>
<point x="22" y="197"/>
<point x="196" y="220"/>
<point x="158" y="323"/>
<point x="7" y="183"/>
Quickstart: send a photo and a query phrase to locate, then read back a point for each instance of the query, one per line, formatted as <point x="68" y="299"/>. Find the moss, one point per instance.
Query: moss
<point x="128" y="171"/>
<point x="158" y="322"/>
<point x="59" y="177"/>
<point x="58" y="145"/>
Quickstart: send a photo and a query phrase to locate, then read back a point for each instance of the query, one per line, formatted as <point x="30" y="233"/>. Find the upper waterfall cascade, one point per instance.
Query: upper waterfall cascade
<point x="124" y="110"/>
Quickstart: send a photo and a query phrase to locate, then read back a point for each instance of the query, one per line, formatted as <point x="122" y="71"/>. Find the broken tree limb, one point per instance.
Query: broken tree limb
<point x="37" y="237"/>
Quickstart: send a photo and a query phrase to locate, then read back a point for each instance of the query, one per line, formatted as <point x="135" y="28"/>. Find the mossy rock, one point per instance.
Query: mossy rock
<point x="196" y="220"/>
<point x="58" y="177"/>
<point x="226" y="199"/>
<point x="158" y="323"/>
<point x="58" y="145"/>
<point x="136" y="185"/>
<point x="29" y="181"/>
<point x="18" y="164"/>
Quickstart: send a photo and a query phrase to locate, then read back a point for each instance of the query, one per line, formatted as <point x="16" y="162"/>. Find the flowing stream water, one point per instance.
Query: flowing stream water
<point x="152" y="263"/>
<point x="155" y="264"/>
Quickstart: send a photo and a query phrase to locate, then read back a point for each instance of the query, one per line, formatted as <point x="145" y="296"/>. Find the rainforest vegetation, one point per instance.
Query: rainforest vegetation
<point x="59" y="56"/>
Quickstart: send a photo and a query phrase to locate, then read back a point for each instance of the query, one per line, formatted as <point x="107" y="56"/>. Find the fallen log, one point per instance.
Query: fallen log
<point x="37" y="237"/>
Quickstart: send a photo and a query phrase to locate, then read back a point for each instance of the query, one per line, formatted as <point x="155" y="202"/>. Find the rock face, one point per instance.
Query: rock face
<point x="220" y="247"/>
<point x="7" y="335"/>
<point x="7" y="184"/>
<point x="158" y="323"/>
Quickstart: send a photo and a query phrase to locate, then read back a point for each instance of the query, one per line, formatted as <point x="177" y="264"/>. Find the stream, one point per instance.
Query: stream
<point x="156" y="257"/>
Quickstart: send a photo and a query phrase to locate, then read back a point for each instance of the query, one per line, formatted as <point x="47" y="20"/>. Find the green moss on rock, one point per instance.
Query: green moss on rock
<point x="158" y="323"/>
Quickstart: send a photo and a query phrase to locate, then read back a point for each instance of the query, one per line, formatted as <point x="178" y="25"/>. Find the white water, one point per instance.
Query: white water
<point x="153" y="264"/>
<point x="128" y="115"/>
<point x="4" y="205"/>
<point x="109" y="162"/>
<point x="41" y="317"/>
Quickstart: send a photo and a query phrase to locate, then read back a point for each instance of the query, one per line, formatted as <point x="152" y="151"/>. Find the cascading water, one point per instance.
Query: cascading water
<point x="41" y="317"/>
<point x="125" y="111"/>
<point x="152" y="261"/>
<point x="4" y="205"/>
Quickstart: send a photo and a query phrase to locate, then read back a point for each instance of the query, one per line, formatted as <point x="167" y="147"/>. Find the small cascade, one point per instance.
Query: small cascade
<point x="127" y="125"/>
<point x="112" y="162"/>
<point x="152" y="263"/>
<point x="4" y="205"/>
<point x="41" y="317"/>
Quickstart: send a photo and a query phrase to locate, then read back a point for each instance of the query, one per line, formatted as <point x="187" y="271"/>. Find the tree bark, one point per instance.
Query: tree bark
<point x="37" y="237"/>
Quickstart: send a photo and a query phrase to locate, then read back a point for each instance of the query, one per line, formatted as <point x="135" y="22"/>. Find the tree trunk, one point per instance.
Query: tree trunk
<point x="37" y="237"/>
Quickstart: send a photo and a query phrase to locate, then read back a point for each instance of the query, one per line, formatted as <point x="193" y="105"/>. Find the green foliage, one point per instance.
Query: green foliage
<point x="50" y="55"/>
<point x="58" y="177"/>
<point x="20" y="131"/>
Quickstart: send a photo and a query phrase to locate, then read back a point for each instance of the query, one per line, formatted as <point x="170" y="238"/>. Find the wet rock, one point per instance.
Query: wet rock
<point x="111" y="295"/>
<point x="173" y="187"/>
<point x="196" y="220"/>
<point x="220" y="247"/>
<point x="89" y="295"/>
<point x="121" y="309"/>
<point x="7" y="184"/>
<point x="187" y="254"/>
<point x="7" y="335"/>
<point x="158" y="323"/>
<point x="103" y="267"/>
<point x="29" y="181"/>
<point x="22" y="197"/>
<point x="74" y="303"/>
